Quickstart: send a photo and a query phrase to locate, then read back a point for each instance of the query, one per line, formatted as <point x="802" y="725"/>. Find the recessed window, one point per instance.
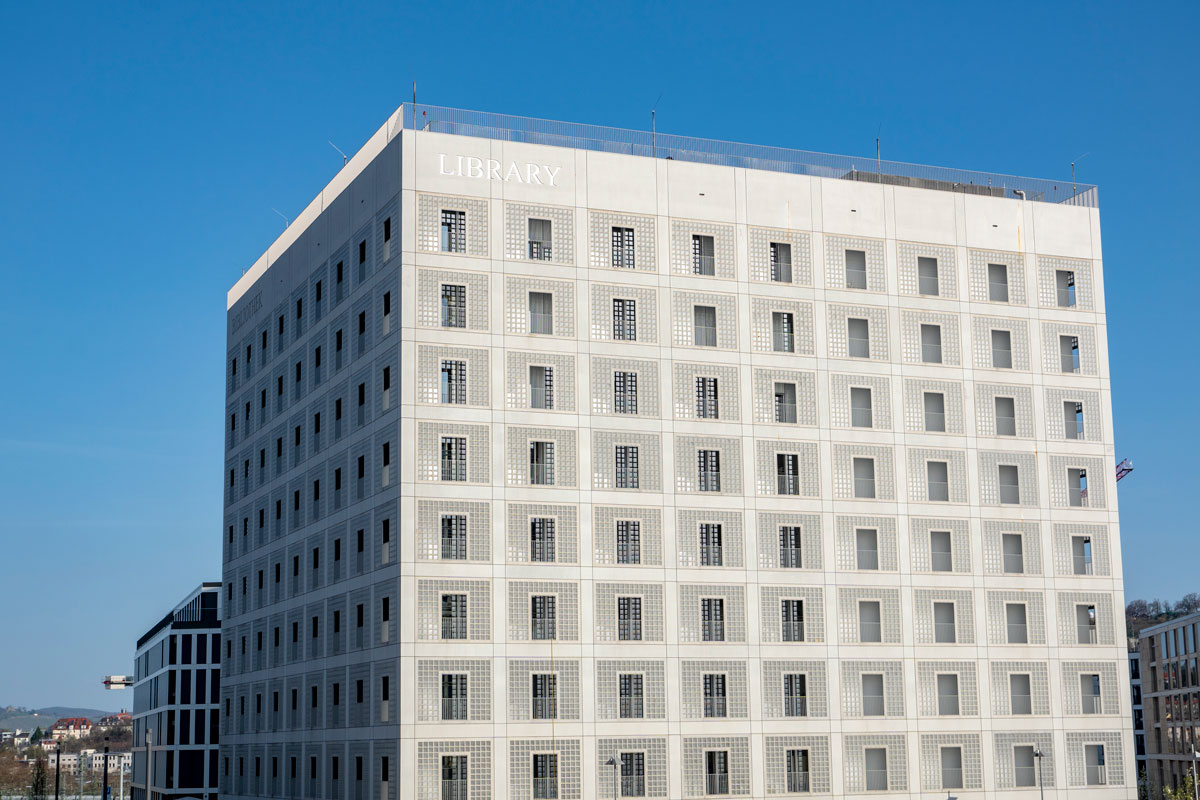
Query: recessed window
<point x="785" y="403"/>
<point x="935" y="412"/>
<point x="931" y="344"/>
<point x="541" y="387"/>
<point x="1064" y="284"/>
<point x="943" y="623"/>
<point x="940" y="551"/>
<point x="1020" y="693"/>
<point x="454" y="307"/>
<point x="787" y="473"/>
<point x="1001" y="349"/>
<point x="629" y="541"/>
<point x="541" y="463"/>
<point x="856" y="269"/>
<point x="704" y="319"/>
<point x="541" y="313"/>
<point x="1077" y="486"/>
<point x="454" y="382"/>
<point x="1068" y="347"/>
<point x="927" y="276"/>
<point x="540" y="240"/>
<point x="866" y="548"/>
<point x="1009" y="482"/>
<point x="708" y="464"/>
<point x="858" y="332"/>
<point x="1015" y="620"/>
<point x="707" y="405"/>
<point x="860" y="407"/>
<point x="870" y="628"/>
<point x="997" y="283"/>
<point x="625" y="392"/>
<point x="703" y="255"/>
<point x="781" y="262"/>
<point x="947" y="694"/>
<point x="622" y="248"/>
<point x="864" y="477"/>
<point x="626" y="467"/>
<point x="454" y="231"/>
<point x="711" y="549"/>
<point x="624" y="319"/>
<point x="1072" y="419"/>
<point x="783" y="339"/>
<point x="543" y="539"/>
<point x="937" y="481"/>
<point x="1013" y="552"/>
<point x="872" y="695"/>
<point x="1006" y="416"/>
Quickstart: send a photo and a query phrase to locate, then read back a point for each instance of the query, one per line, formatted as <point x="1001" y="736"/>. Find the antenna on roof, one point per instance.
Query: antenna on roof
<point x="335" y="147"/>
<point x="1078" y="158"/>
<point x="653" y="143"/>
<point x="286" y="221"/>
<point x="878" y="163"/>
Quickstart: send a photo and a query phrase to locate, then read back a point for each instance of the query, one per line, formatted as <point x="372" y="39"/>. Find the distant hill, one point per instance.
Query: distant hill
<point x="27" y="719"/>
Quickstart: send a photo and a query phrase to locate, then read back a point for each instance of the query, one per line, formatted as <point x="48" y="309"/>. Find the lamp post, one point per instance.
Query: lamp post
<point x="104" y="791"/>
<point x="1195" y="758"/>
<point x="57" y="767"/>
<point x="1037" y="753"/>
<point x="612" y="762"/>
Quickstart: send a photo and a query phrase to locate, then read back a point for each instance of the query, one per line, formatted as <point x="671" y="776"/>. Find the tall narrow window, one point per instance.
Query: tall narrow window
<point x="541" y="463"/>
<point x="856" y="269"/>
<point x="1072" y="419"/>
<point x="454" y="537"/>
<point x="712" y="619"/>
<point x="1085" y="623"/>
<point x="1064" y="284"/>
<point x="782" y="338"/>
<point x="622" y="248"/>
<point x="454" y="306"/>
<point x="633" y="774"/>
<point x="937" y="481"/>
<point x="1024" y="773"/>
<point x="629" y="619"/>
<point x="872" y="695"/>
<point x="796" y="763"/>
<point x="629" y="688"/>
<point x="790" y="542"/>
<point x="624" y="319"/>
<point x="1001" y="349"/>
<point x="943" y="623"/>
<point x="935" y="411"/>
<point x="454" y="231"/>
<point x="543" y="617"/>
<point x="787" y="473"/>
<point x="785" y="403"/>
<point x="544" y="691"/>
<point x="542" y="539"/>
<point x="539" y="240"/>
<point x="711" y="551"/>
<point x="860" y="407"/>
<point x="781" y="262"/>
<point x="870" y="626"/>
<point x="629" y="541"/>
<point x="454" y="778"/>
<point x="997" y="283"/>
<point x="714" y="695"/>
<point x="792" y="620"/>
<point x="716" y="772"/>
<point x="626" y="464"/>
<point x="795" y="695"/>
<point x="541" y="313"/>
<point x="1077" y="487"/>
<point x="454" y="458"/>
<point x="927" y="276"/>
<point x="625" y="392"/>
<point x="866" y="547"/>
<point x="931" y="344"/>
<point x="704" y="320"/>
<point x="708" y="464"/>
<point x="454" y="697"/>
<point x="1015" y="622"/>
<point x="1012" y="547"/>
<point x="1006" y="416"/>
<point x="706" y="398"/>
<point x="952" y="768"/>
<point x="858" y="332"/>
<point x="541" y="387"/>
<point x="454" y="382"/>
<point x="1068" y="347"/>
<point x="947" y="694"/>
<point x="454" y="616"/>
<point x="1081" y="555"/>
<point x="545" y="776"/>
<point x="1009" y="480"/>
<point x="703" y="255"/>
<point x="940" y="551"/>
<point x="864" y="477"/>
<point x="1020" y="693"/>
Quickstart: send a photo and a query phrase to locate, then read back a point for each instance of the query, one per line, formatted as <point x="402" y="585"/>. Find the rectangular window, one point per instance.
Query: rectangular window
<point x="856" y="269"/>
<point x="781" y="262"/>
<point x="714" y="695"/>
<point x="870" y="627"/>
<point x="626" y="463"/>
<point x="797" y="771"/>
<point x="1009" y="483"/>
<point x="1013" y="549"/>
<point x="540" y="239"/>
<point x="454" y="458"/>
<point x="864" y="477"/>
<point x="785" y="403"/>
<point x="708" y="463"/>
<point x="1024" y="773"/>
<point x="1006" y="416"/>
<point x="858" y="332"/>
<point x="1001" y="349"/>
<point x="542" y="539"/>
<point x="872" y="695"/>
<point x="783" y="339"/>
<point x="792" y="620"/>
<point x="622" y="248"/>
<point x="866" y="547"/>
<point x="952" y="770"/>
<point x="795" y="695"/>
<point x="629" y="619"/>
<point x="1068" y="347"/>
<point x="937" y="481"/>
<point x="935" y="412"/>
<point x="787" y="473"/>
<point x="704" y="320"/>
<point x="629" y="541"/>
<point x="1064" y="283"/>
<point x="454" y="778"/>
<point x="545" y="776"/>
<point x="947" y="694"/>
<point x="997" y="283"/>
<point x="541" y="463"/>
<point x="630" y="696"/>
<point x="1085" y="624"/>
<point x="716" y="772"/>
<point x="454" y="382"/>
<point x="454" y="616"/>
<point x="625" y="392"/>
<point x="541" y="313"/>
<point x="543" y="617"/>
<point x="545" y="695"/>
<point x="1020" y="693"/>
<point x="633" y="774"/>
<point x="1095" y="767"/>
<point x="703" y="255"/>
<point x="927" y="276"/>
<point x="1089" y="693"/>
<point x="711" y="553"/>
<point x="1072" y="419"/>
<point x="712" y="619"/>
<point x="931" y="344"/>
<point x="941" y="556"/>
<point x="875" y="769"/>
<point x="790" y="542"/>
<point x="943" y="623"/>
<point x="454" y="697"/>
<point x="624" y="319"/>
<point x="454" y="306"/>
<point x="1081" y="557"/>
<point x="541" y="387"/>
<point x="706" y="398"/>
<point x="860" y="407"/>
<point x="1015" y="621"/>
<point x="454" y="231"/>
<point x="454" y="537"/>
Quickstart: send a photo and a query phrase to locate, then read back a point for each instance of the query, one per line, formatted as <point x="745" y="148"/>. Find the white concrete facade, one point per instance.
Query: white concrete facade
<point x="360" y="440"/>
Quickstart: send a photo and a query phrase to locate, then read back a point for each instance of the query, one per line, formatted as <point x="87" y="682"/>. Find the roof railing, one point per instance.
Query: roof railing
<point x="510" y="128"/>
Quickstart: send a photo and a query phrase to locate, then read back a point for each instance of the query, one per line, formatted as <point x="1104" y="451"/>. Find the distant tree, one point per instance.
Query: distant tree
<point x="39" y="781"/>
<point x="1137" y="608"/>
<point x="1188" y="604"/>
<point x="37" y="735"/>
<point x="1156" y="608"/>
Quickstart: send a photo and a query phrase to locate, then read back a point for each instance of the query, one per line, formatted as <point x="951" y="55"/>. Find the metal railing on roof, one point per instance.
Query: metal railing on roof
<point x="601" y="138"/>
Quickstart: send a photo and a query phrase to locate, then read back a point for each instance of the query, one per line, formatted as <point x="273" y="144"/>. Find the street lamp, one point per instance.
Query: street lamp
<point x="104" y="792"/>
<point x="1037" y="753"/>
<point x="57" y="767"/>
<point x="612" y="762"/>
<point x="1195" y="758"/>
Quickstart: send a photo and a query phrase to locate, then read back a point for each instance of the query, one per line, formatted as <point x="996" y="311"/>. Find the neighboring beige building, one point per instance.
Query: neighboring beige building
<point x="70" y="728"/>
<point x="750" y="471"/>
<point x="1170" y="692"/>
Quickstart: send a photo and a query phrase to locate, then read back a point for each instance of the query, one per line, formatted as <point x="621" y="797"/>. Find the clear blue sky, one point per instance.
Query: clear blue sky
<point x="144" y="148"/>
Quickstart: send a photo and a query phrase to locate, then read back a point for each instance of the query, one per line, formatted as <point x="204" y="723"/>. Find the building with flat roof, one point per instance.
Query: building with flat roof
<point x="1170" y="693"/>
<point x="176" y="689"/>
<point x="565" y="460"/>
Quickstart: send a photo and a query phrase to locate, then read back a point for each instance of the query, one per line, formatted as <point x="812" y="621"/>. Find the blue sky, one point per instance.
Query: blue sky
<point x="144" y="146"/>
